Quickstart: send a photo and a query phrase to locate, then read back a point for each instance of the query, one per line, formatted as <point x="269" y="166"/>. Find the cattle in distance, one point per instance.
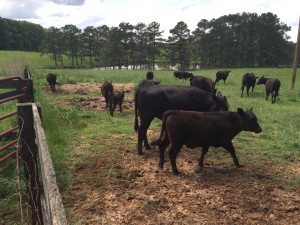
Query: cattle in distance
<point x="107" y="89"/>
<point x="51" y="79"/>
<point x="248" y="81"/>
<point x="222" y="75"/>
<point x="272" y="87"/>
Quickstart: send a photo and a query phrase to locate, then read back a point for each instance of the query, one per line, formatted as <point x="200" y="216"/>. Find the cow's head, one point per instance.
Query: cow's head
<point x="249" y="120"/>
<point x="220" y="102"/>
<point x="261" y="80"/>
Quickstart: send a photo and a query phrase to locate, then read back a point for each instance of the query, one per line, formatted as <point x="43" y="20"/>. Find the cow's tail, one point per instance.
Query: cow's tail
<point x="163" y="127"/>
<point x="136" y="120"/>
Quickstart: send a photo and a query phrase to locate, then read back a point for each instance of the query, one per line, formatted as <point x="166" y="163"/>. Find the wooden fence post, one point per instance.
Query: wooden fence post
<point x="28" y="155"/>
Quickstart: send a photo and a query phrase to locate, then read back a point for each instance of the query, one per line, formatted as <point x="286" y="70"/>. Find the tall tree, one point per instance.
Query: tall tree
<point x="52" y="44"/>
<point x="154" y="37"/>
<point x="178" y="45"/>
<point x="71" y="33"/>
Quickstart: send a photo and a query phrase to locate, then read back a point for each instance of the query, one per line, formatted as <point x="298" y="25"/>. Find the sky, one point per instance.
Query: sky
<point x="167" y="13"/>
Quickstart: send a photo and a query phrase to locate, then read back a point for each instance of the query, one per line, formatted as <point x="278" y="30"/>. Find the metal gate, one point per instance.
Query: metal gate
<point x="20" y="94"/>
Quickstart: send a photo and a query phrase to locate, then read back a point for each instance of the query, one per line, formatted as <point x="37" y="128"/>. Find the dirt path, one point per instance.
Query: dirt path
<point x="132" y="190"/>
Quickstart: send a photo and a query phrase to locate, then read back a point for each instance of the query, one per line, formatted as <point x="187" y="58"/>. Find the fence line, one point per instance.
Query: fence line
<point x="53" y="199"/>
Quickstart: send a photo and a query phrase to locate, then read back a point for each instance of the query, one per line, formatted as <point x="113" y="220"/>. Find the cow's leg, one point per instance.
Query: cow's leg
<point x="273" y="97"/>
<point x="248" y="90"/>
<point x="229" y="147"/>
<point x="242" y="88"/>
<point x="162" y="147"/>
<point x="120" y="106"/>
<point x="252" y="88"/>
<point x="142" y="135"/>
<point x="267" y="95"/>
<point x="173" y="152"/>
<point x="201" y="160"/>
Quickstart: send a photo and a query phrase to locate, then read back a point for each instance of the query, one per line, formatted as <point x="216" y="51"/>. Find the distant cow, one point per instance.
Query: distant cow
<point x="203" y="129"/>
<point x="248" y="81"/>
<point x="114" y="100"/>
<point x="149" y="75"/>
<point x="222" y="75"/>
<point x="153" y="101"/>
<point x="182" y="75"/>
<point x="203" y="83"/>
<point x="272" y="87"/>
<point x="51" y="78"/>
<point x="106" y="89"/>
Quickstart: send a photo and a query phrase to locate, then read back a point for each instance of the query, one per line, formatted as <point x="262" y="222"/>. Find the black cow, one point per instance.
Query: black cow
<point x="106" y="89"/>
<point x="115" y="99"/>
<point x="248" y="81"/>
<point x="203" y="83"/>
<point x="51" y="78"/>
<point x="272" y="87"/>
<point x="182" y="75"/>
<point x="153" y="101"/>
<point x="203" y="129"/>
<point x="222" y="75"/>
<point x="149" y="75"/>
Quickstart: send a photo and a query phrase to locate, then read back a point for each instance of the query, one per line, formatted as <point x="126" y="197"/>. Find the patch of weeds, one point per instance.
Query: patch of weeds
<point x="151" y="202"/>
<point x="116" y="172"/>
<point x="290" y="183"/>
<point x="82" y="195"/>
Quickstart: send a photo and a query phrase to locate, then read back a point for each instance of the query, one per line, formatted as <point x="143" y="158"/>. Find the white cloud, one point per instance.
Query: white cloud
<point x="168" y="13"/>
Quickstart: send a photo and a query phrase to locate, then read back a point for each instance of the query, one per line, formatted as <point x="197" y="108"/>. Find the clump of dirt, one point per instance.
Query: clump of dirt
<point x="116" y="186"/>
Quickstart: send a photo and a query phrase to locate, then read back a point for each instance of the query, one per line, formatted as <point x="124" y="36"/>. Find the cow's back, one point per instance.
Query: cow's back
<point x="189" y="126"/>
<point x="158" y="99"/>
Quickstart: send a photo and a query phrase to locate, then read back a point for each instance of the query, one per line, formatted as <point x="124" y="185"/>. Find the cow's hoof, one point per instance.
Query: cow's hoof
<point x="140" y="153"/>
<point x="176" y="173"/>
<point x="199" y="169"/>
<point x="160" y="165"/>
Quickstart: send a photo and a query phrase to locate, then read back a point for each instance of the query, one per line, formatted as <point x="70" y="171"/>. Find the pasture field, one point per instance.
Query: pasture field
<point x="104" y="181"/>
<point x="109" y="183"/>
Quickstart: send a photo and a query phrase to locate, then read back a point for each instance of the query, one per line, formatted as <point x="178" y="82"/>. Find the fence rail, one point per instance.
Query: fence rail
<point x="33" y="145"/>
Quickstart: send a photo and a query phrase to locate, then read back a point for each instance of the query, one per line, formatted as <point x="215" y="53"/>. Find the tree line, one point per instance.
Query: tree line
<point x="234" y="40"/>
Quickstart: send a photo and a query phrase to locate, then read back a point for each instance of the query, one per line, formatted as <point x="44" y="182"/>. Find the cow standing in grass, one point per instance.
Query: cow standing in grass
<point x="272" y="87"/>
<point x="248" y="81"/>
<point x="51" y="78"/>
<point x="222" y="75"/>
<point x="204" y="83"/>
<point x="107" y="89"/>
<point x="203" y="129"/>
<point x="115" y="99"/>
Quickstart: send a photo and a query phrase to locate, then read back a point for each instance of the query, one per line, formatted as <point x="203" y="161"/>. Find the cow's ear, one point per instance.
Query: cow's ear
<point x="240" y="111"/>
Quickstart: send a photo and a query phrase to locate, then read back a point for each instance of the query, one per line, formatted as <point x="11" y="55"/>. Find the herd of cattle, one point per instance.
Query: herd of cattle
<point x="195" y="115"/>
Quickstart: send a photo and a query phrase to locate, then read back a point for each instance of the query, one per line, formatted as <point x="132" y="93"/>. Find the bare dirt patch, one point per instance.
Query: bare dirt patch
<point x="96" y="103"/>
<point x="122" y="188"/>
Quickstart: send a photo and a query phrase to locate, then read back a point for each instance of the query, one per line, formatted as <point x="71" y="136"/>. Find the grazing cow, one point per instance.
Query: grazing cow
<point x="153" y="101"/>
<point x="222" y="75"/>
<point x="106" y="89"/>
<point x="203" y="83"/>
<point x="51" y="78"/>
<point x="272" y="87"/>
<point x="182" y="75"/>
<point x="203" y="129"/>
<point x="248" y="80"/>
<point x="114" y="100"/>
<point x="149" y="75"/>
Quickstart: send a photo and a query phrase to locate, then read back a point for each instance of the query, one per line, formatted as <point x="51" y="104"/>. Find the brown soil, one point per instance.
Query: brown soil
<point x="132" y="190"/>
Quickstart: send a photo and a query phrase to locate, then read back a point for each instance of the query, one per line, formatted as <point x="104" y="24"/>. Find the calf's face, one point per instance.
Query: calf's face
<point x="249" y="121"/>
